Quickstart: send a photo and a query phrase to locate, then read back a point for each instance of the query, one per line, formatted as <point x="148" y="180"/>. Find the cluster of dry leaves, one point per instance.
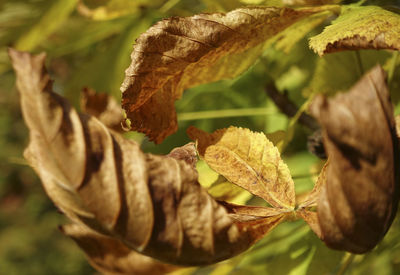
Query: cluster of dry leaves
<point x="123" y="201"/>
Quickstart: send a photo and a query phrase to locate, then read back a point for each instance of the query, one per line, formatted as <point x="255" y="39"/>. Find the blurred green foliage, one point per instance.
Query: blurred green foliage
<point x="88" y="43"/>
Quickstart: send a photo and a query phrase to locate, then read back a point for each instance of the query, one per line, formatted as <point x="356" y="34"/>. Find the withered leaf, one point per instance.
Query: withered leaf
<point x="359" y="200"/>
<point x="186" y="153"/>
<point x="249" y="160"/>
<point x="103" y="107"/>
<point x="312" y="197"/>
<point x="179" y="53"/>
<point x="357" y="28"/>
<point x="311" y="219"/>
<point x="111" y="256"/>
<point x="153" y="204"/>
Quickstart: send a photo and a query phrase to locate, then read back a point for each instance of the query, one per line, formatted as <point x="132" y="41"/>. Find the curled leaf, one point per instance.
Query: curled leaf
<point x="249" y="160"/>
<point x="111" y="256"/>
<point x="179" y="53"/>
<point x="311" y="219"/>
<point x="103" y="107"/>
<point x="186" y="153"/>
<point x="312" y="197"/>
<point x="153" y="204"/>
<point x="358" y="202"/>
<point x="357" y="28"/>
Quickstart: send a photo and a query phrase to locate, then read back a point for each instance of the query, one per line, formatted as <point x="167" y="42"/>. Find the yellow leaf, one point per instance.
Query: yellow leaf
<point x="179" y="53"/>
<point x="356" y="28"/>
<point x="249" y="160"/>
<point x="330" y="77"/>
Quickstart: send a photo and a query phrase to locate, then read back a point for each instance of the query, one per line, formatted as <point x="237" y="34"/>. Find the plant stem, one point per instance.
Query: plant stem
<point x="225" y="113"/>
<point x="346" y="264"/>
<point x="290" y="109"/>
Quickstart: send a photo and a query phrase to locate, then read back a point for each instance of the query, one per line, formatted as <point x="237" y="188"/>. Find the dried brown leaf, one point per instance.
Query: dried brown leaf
<point x="179" y="53"/>
<point x="186" y="153"/>
<point x="103" y="107"/>
<point x="249" y="160"/>
<point x="111" y="256"/>
<point x="153" y="204"/>
<point x="357" y="204"/>
<point x="257" y="211"/>
<point x="311" y="219"/>
<point x="312" y="197"/>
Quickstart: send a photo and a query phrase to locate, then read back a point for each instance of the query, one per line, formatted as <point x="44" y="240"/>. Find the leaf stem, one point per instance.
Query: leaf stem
<point x="225" y="113"/>
<point x="347" y="262"/>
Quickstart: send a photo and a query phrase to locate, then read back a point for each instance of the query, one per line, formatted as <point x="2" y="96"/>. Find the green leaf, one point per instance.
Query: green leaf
<point x="356" y="28"/>
<point x="289" y="37"/>
<point x="339" y="71"/>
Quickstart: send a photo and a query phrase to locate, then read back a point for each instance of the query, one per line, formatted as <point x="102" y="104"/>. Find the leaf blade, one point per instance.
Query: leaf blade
<point x="369" y="27"/>
<point x="179" y="53"/>
<point x="249" y="160"/>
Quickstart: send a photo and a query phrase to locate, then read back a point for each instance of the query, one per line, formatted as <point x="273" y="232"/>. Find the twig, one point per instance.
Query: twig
<point x="290" y="109"/>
